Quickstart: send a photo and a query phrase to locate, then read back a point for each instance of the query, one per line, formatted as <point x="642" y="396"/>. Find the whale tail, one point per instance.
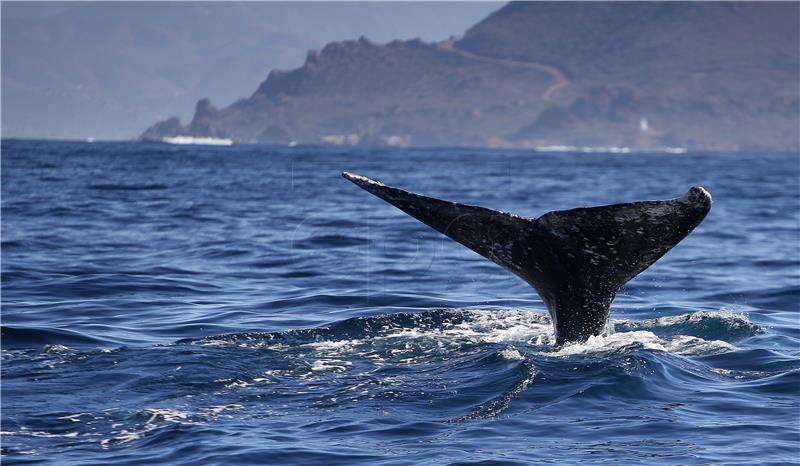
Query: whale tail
<point x="575" y="259"/>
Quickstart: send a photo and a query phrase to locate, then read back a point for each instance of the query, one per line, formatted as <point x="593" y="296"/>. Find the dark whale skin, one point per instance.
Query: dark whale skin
<point x="576" y="259"/>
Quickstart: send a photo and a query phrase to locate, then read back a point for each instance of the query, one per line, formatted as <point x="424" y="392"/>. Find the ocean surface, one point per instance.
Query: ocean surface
<point x="247" y="305"/>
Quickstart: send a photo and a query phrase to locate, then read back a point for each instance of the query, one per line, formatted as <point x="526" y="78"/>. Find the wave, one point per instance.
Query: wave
<point x="692" y="334"/>
<point x="720" y="324"/>
<point x="700" y="333"/>
<point x="682" y="345"/>
<point x="24" y="337"/>
<point x="454" y="366"/>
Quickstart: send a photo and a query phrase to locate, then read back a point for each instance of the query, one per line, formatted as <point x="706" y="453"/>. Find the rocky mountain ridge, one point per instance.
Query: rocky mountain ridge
<point x="649" y="75"/>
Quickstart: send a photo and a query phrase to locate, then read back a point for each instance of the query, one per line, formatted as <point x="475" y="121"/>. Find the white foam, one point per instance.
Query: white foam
<point x="157" y="418"/>
<point x="610" y="149"/>
<point x="693" y="317"/>
<point x="692" y="346"/>
<point x="411" y="344"/>
<point x="681" y="345"/>
<point x="202" y="141"/>
<point x="535" y="329"/>
<point x="74" y="417"/>
<point x="125" y="436"/>
<point x="609" y="343"/>
<point x="336" y="365"/>
<point x="35" y="433"/>
<point x="333" y="344"/>
<point x="237" y="384"/>
<point x="167" y="415"/>
<point x="55" y="348"/>
<point x="739" y="374"/>
<point x="512" y="354"/>
<point x="217" y="410"/>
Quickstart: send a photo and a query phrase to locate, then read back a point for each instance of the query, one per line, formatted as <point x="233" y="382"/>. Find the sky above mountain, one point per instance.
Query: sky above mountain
<point x="107" y="70"/>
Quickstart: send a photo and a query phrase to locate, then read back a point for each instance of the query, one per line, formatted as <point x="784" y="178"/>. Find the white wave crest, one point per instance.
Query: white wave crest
<point x="408" y="344"/>
<point x="681" y="345"/>
<point x="731" y="319"/>
<point x="692" y="346"/>
<point x="512" y="354"/>
<point x="334" y="365"/>
<point x="202" y="141"/>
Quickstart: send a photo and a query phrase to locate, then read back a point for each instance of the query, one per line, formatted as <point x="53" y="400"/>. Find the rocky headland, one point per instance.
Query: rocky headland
<point x="649" y="75"/>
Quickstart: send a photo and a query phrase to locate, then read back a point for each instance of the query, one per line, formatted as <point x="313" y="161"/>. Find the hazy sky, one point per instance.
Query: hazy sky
<point x="110" y="69"/>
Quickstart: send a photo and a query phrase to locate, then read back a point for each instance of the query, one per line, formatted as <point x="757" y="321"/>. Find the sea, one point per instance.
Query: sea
<point x="246" y="305"/>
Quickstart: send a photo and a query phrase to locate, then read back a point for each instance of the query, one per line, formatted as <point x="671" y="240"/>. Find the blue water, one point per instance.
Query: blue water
<point x="247" y="305"/>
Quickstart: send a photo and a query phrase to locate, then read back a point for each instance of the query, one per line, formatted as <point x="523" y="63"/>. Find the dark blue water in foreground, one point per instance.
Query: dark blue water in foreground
<point x="247" y="305"/>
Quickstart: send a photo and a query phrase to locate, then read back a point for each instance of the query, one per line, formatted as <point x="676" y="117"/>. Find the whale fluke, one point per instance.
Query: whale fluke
<point x="575" y="259"/>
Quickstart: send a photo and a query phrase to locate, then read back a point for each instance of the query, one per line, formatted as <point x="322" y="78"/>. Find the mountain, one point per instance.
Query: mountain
<point x="108" y="69"/>
<point x="699" y="75"/>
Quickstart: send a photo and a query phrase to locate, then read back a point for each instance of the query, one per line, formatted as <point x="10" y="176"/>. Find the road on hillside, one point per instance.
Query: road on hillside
<point x="561" y="80"/>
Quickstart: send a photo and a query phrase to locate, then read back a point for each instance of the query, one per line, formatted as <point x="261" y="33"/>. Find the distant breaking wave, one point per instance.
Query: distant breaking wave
<point x="610" y="150"/>
<point x="203" y="141"/>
